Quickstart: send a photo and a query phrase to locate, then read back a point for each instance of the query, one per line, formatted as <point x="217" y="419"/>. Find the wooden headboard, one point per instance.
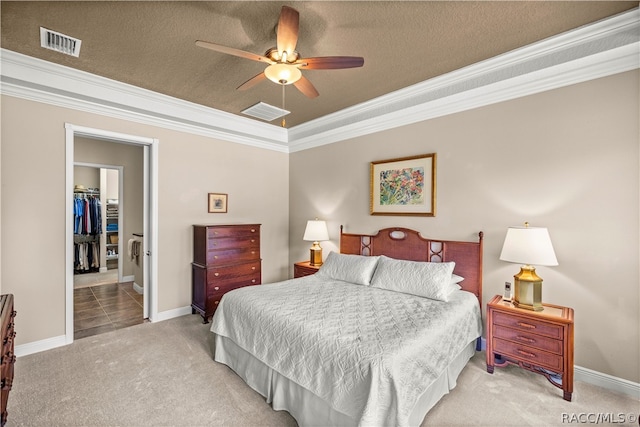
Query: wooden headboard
<point x="403" y="243"/>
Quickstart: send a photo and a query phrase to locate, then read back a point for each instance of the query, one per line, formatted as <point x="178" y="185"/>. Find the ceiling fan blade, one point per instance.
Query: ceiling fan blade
<point x="288" y="25"/>
<point x="252" y="82"/>
<point x="305" y="86"/>
<point x="330" y="62"/>
<point x="233" y="51"/>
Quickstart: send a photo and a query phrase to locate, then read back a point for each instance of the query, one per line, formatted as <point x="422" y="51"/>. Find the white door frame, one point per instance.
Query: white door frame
<point x="150" y="215"/>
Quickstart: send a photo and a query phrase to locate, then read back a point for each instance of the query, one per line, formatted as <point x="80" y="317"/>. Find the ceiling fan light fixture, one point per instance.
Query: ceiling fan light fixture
<point x="283" y="74"/>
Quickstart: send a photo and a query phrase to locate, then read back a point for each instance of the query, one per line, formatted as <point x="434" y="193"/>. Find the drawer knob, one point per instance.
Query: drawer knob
<point x="253" y="268"/>
<point x="215" y="257"/>
<point x="253" y="240"/>
<point x="253" y="230"/>
<point x="217" y="288"/>
<point x="216" y="302"/>
<point x="525" y="339"/>
<point x="253" y="252"/>
<point x="526" y="325"/>
<point x="253" y="281"/>
<point x="216" y="274"/>
<point x="527" y="354"/>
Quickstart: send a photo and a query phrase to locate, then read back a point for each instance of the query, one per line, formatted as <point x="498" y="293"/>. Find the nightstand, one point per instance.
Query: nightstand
<point x="539" y="341"/>
<point x="301" y="269"/>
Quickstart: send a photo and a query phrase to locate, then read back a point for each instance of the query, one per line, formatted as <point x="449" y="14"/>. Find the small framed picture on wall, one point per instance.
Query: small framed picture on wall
<point x="218" y="202"/>
<point x="404" y="186"/>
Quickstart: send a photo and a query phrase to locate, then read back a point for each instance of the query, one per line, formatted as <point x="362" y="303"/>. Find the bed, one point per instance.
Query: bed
<point x="375" y="338"/>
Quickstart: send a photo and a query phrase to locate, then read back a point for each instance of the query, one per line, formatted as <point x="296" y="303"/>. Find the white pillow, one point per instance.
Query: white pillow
<point x="455" y="283"/>
<point x="356" y="269"/>
<point x="455" y="279"/>
<point x="425" y="279"/>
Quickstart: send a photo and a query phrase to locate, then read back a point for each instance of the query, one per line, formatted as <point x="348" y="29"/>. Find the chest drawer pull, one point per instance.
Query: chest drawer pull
<point x="253" y="268"/>
<point x="526" y="325"/>
<point x="217" y="288"/>
<point x="525" y="339"/>
<point x="253" y="230"/>
<point x="253" y="281"/>
<point x="216" y="274"/>
<point x="526" y="353"/>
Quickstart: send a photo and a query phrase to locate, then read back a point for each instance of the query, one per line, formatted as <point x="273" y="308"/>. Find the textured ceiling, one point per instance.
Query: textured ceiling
<point x="152" y="44"/>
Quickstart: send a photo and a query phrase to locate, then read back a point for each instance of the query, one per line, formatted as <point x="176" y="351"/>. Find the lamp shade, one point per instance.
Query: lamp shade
<point x="316" y="231"/>
<point x="283" y="74"/>
<point x="528" y="245"/>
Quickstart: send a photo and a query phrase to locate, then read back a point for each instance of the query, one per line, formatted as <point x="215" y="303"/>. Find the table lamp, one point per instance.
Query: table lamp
<point x="315" y="232"/>
<point x="528" y="246"/>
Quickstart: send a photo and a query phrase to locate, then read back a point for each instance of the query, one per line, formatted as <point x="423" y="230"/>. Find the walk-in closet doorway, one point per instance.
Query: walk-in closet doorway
<point x="142" y="151"/>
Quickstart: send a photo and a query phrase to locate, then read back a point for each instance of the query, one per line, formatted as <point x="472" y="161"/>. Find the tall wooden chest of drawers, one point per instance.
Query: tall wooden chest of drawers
<point x="225" y="257"/>
<point x="7" y="358"/>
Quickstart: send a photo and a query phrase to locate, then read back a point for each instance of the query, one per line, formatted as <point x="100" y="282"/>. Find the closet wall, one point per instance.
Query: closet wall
<point x="131" y="159"/>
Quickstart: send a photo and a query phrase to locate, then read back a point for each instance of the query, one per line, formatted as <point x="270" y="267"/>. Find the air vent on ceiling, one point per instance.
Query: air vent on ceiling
<point x="265" y="111"/>
<point x="59" y="42"/>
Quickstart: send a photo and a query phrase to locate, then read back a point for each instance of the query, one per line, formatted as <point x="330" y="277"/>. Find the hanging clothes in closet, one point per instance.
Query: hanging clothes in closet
<point x="87" y="227"/>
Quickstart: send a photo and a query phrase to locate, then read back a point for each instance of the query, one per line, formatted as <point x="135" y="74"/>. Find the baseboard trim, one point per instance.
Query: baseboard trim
<point x="59" y="341"/>
<point x="139" y="289"/>
<point x="609" y="382"/>
<point x="170" y="314"/>
<point x="128" y="278"/>
<point x="42" y="345"/>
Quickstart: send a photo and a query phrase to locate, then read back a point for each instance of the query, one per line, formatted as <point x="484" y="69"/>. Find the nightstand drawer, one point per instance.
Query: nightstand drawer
<point x="528" y="325"/>
<point x="528" y="354"/>
<point x="525" y="338"/>
<point x="304" y="268"/>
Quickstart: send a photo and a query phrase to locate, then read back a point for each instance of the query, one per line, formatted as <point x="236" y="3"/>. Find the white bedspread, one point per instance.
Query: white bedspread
<point x="369" y="353"/>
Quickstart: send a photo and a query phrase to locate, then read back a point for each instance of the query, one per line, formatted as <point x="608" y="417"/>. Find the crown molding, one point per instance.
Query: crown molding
<point x="42" y="81"/>
<point x="604" y="48"/>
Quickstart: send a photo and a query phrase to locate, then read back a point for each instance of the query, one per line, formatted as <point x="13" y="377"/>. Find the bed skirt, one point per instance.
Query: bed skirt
<point x="307" y="408"/>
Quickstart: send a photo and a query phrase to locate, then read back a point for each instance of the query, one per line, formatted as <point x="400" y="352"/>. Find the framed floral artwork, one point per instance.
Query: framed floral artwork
<point x="404" y="186"/>
<point x="217" y="203"/>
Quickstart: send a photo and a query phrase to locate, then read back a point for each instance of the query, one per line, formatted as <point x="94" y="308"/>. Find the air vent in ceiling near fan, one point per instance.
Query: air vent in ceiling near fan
<point x="265" y="111"/>
<point x="59" y="42"/>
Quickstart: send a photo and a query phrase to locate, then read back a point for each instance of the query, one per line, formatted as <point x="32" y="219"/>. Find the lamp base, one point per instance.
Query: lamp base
<point x="315" y="254"/>
<point x="528" y="289"/>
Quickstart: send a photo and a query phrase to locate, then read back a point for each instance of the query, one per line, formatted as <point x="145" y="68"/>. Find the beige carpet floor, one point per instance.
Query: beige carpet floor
<point x="162" y="374"/>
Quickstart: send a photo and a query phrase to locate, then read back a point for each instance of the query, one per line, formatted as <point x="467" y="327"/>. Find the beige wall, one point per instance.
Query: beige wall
<point x="190" y="166"/>
<point x="565" y="159"/>
<point x="87" y="176"/>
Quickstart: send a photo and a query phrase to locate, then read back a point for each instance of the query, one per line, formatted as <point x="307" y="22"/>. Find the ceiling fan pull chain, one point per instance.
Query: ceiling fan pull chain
<point x="284" y="122"/>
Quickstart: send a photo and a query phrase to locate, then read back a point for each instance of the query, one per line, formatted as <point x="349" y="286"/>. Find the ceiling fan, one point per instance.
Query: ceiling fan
<point x="284" y="61"/>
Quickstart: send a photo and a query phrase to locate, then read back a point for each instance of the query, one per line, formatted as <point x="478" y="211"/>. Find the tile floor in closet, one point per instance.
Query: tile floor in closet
<point x="106" y="307"/>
